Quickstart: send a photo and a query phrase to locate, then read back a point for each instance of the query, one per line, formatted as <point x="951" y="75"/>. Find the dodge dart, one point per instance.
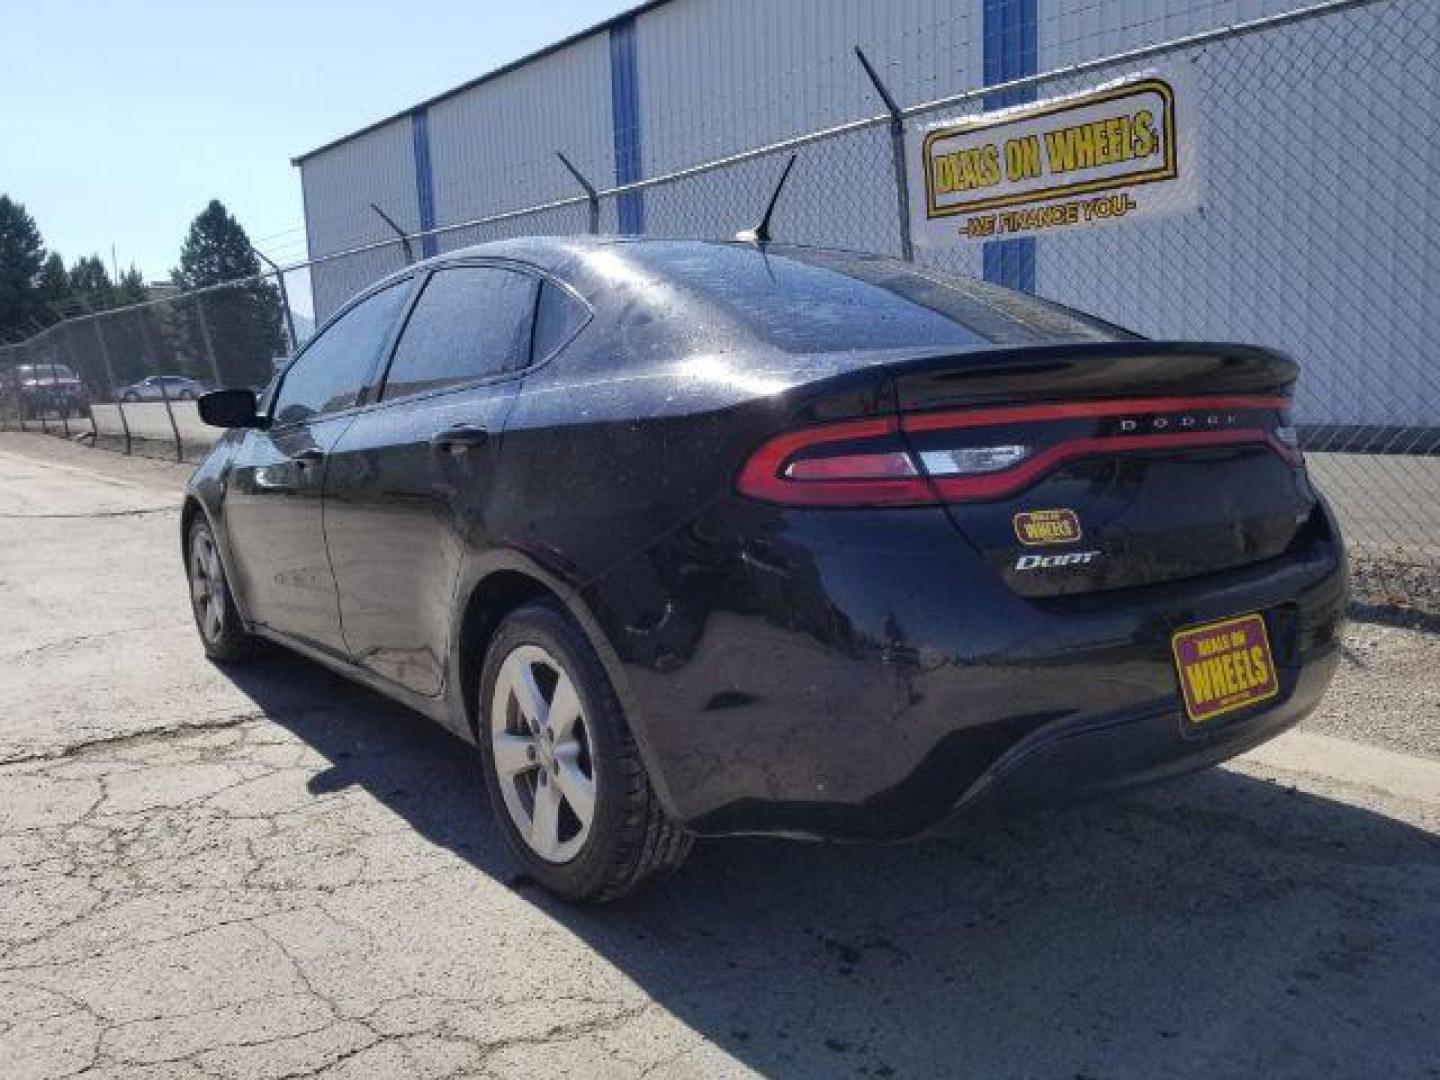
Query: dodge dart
<point x="703" y="539"/>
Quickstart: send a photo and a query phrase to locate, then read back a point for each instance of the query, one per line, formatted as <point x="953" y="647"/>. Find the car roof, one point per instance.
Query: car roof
<point x="602" y="265"/>
<point x="556" y="253"/>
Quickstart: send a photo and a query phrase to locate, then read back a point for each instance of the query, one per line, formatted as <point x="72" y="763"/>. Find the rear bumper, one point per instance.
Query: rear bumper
<point x="1071" y="761"/>
<point x="863" y="675"/>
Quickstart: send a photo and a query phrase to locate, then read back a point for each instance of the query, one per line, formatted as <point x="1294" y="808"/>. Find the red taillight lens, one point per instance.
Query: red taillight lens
<point x="856" y="463"/>
<point x="990" y="453"/>
<point x="886" y="465"/>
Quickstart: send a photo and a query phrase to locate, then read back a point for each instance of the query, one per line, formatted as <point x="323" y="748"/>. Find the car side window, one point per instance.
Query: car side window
<point x="329" y="375"/>
<point x="470" y="322"/>
<point x="557" y="316"/>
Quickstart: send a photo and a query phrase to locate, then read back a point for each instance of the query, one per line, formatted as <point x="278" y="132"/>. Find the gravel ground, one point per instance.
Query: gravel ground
<point x="1388" y="692"/>
<point x="269" y="872"/>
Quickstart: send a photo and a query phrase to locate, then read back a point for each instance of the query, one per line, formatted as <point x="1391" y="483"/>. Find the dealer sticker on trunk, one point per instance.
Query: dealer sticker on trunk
<point x="1034" y="527"/>
<point x="1224" y="666"/>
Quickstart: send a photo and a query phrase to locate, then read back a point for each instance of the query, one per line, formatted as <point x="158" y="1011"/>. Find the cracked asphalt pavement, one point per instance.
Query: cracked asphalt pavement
<point x="266" y="872"/>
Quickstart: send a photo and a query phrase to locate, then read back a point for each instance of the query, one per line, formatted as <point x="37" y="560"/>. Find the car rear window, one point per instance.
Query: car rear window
<point x="806" y="300"/>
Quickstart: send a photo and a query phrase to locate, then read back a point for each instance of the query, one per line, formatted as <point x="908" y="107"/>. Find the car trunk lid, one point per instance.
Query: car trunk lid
<point x="1089" y="467"/>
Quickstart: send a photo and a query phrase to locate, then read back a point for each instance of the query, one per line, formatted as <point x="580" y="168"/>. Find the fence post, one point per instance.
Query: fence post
<point x="63" y="409"/>
<point x="208" y="343"/>
<point x="284" y="301"/>
<point x="18" y="357"/>
<point x="592" y="198"/>
<point x="174" y="427"/>
<point x="40" y="393"/>
<point x="404" y="240"/>
<point x="68" y="327"/>
<point x="149" y="340"/>
<point x="23" y="351"/>
<point x="110" y="378"/>
<point x="897" y="153"/>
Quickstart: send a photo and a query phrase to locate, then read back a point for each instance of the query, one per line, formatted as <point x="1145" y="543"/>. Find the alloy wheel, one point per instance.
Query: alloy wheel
<point x="542" y="754"/>
<point x="207" y="585"/>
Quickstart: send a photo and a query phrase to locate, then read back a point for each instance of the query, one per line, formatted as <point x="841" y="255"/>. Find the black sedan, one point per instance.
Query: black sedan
<point x="706" y="538"/>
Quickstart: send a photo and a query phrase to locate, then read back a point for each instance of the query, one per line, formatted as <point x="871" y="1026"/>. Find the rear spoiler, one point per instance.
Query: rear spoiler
<point x="1090" y="370"/>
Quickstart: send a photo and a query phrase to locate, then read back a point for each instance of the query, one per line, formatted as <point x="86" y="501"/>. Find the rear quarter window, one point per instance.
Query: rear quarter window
<point x="558" y="317"/>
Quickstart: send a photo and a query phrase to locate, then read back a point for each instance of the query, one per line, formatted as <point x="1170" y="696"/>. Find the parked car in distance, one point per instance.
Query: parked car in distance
<point x="40" y="389"/>
<point x="159" y="387"/>
<point x="702" y="538"/>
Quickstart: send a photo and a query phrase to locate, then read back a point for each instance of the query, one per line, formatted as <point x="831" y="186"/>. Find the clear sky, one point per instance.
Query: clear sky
<point x="119" y="121"/>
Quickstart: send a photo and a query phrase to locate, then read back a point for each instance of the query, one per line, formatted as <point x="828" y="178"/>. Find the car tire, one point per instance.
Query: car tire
<point x="222" y="633"/>
<point x="628" y="839"/>
<point x="131" y="397"/>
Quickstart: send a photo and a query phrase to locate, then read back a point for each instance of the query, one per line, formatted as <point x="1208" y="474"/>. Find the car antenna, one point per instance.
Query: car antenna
<point x="760" y="234"/>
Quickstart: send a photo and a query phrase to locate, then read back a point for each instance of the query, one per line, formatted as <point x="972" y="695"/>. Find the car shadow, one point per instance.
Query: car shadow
<point x="1217" y="925"/>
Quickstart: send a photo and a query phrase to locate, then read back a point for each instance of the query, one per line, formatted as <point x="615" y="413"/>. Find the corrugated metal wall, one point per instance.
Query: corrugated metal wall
<point x="493" y="146"/>
<point x="484" y="150"/>
<point x="708" y="79"/>
<point x="1278" y="254"/>
<point x="775" y="70"/>
<point x="339" y="186"/>
<point x="1075" y="30"/>
<point x="694" y="80"/>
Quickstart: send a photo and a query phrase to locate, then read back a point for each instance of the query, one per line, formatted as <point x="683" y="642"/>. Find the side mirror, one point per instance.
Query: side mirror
<point x="230" y="409"/>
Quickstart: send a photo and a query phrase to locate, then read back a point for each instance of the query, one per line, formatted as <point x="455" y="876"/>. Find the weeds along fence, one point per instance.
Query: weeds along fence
<point x="1317" y="232"/>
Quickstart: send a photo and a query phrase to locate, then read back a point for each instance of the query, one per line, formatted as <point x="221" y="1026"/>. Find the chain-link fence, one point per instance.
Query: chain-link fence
<point x="1317" y="234"/>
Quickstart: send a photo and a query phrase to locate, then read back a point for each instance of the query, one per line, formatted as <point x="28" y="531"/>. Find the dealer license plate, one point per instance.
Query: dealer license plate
<point x="1224" y="666"/>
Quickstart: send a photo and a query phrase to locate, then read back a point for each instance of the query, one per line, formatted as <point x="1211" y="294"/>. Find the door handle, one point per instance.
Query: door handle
<point x="461" y="437"/>
<point x="306" y="458"/>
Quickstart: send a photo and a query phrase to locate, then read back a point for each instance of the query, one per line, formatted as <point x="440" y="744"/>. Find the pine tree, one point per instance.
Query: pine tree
<point x="53" y="287"/>
<point x="130" y="289"/>
<point x="90" y="283"/>
<point x="22" y="252"/>
<point x="244" y="321"/>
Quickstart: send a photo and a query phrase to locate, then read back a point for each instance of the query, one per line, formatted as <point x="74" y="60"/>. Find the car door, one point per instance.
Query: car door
<point x="410" y="481"/>
<point x="273" y="509"/>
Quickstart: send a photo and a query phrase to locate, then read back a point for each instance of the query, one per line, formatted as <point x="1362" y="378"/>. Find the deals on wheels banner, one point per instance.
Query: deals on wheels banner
<point x="1118" y="153"/>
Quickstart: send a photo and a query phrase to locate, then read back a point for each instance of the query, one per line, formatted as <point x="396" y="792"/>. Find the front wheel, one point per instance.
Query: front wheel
<point x="565" y="778"/>
<point x="221" y="632"/>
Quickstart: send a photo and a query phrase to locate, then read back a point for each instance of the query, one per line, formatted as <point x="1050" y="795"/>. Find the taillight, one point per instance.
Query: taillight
<point x="989" y="453"/>
<point x="855" y="463"/>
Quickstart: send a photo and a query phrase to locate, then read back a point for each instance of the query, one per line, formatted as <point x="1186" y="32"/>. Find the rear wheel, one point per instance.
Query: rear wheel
<point x="221" y="631"/>
<point x="565" y="778"/>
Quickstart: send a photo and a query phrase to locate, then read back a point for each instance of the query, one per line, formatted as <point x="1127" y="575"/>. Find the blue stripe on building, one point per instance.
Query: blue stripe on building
<point x="1010" y="52"/>
<point x="625" y="119"/>
<point x="424" y="178"/>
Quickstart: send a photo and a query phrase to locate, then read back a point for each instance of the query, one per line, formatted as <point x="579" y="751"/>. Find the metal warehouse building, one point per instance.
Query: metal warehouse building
<point x="1296" y="244"/>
